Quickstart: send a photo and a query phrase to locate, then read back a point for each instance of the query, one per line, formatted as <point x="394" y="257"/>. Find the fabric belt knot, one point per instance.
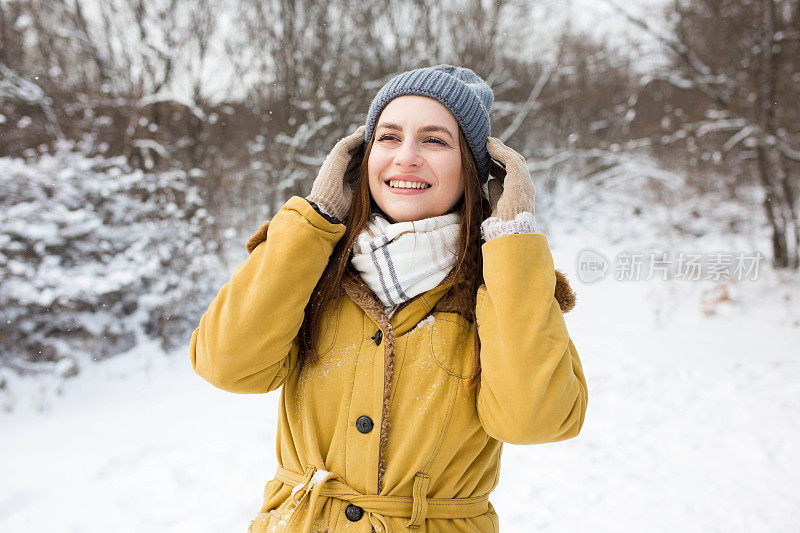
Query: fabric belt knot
<point x="308" y="488"/>
<point x="314" y="483"/>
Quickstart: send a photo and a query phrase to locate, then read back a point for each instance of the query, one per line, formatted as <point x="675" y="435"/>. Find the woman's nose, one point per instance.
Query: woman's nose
<point x="408" y="154"/>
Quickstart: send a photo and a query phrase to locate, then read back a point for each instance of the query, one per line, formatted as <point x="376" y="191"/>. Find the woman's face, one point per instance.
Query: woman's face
<point x="416" y="139"/>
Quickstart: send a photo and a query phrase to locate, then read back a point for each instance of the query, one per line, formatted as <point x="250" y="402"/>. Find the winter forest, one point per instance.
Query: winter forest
<point x="142" y="142"/>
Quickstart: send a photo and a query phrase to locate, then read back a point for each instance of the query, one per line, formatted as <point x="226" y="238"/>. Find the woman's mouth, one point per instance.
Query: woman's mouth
<point x="407" y="187"/>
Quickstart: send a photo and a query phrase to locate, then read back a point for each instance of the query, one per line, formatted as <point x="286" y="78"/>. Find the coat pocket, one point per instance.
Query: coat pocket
<point x="451" y="344"/>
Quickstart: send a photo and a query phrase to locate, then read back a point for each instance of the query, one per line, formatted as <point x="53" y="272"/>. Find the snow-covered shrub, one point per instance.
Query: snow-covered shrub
<point x="96" y="257"/>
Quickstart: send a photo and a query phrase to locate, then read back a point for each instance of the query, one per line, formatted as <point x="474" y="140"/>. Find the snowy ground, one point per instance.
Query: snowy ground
<point x="691" y="426"/>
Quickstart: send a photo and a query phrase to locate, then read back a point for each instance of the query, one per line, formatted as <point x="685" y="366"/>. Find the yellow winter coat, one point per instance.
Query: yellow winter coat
<point x="382" y="432"/>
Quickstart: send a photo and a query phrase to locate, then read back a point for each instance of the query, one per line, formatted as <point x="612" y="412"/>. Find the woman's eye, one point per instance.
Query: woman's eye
<point x="434" y="139"/>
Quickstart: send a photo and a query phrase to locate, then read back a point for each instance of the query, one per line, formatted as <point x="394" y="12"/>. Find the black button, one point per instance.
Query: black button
<point x="354" y="512"/>
<point x="377" y="337"/>
<point x="364" y="424"/>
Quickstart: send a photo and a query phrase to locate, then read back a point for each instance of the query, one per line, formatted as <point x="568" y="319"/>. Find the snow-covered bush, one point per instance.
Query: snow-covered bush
<point x="95" y="258"/>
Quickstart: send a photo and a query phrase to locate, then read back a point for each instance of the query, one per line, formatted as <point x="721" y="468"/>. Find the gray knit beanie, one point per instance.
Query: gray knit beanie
<point x="462" y="91"/>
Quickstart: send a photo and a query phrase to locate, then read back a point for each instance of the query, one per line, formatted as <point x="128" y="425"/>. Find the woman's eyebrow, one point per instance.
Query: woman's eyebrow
<point x="424" y="129"/>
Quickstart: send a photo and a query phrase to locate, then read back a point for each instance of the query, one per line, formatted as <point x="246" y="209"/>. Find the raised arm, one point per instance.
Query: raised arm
<point x="247" y="339"/>
<point x="532" y="387"/>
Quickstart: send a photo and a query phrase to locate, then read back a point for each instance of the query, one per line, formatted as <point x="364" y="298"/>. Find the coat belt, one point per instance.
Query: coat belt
<point x="315" y="483"/>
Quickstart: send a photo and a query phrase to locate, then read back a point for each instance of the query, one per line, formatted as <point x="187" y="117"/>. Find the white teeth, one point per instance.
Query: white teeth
<point x="400" y="184"/>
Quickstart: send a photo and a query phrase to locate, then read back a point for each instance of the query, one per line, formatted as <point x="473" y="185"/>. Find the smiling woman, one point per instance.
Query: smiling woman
<point x="413" y="324"/>
<point x="416" y="143"/>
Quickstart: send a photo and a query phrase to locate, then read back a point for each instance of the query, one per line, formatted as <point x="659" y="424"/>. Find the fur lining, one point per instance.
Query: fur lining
<point x="362" y="295"/>
<point x="564" y="294"/>
<point x="258" y="237"/>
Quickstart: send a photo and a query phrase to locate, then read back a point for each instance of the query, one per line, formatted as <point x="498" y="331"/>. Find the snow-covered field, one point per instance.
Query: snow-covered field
<point x="691" y="426"/>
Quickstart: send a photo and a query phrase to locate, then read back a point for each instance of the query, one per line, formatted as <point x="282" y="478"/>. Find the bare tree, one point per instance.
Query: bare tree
<point x="312" y="67"/>
<point x="741" y="57"/>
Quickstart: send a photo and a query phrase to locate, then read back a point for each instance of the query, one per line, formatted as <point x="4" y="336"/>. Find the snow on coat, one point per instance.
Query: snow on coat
<point x="382" y="432"/>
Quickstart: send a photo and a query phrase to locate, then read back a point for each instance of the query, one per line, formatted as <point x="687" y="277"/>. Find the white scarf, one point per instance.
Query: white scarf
<point x="401" y="260"/>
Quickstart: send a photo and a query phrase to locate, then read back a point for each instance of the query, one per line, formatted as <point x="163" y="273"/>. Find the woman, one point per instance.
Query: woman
<point x="412" y="334"/>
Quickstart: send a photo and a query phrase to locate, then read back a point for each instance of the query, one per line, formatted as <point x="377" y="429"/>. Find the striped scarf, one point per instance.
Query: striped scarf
<point x="401" y="260"/>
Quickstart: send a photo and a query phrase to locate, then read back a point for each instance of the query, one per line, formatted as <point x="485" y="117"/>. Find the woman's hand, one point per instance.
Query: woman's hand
<point x="329" y="189"/>
<point x="511" y="191"/>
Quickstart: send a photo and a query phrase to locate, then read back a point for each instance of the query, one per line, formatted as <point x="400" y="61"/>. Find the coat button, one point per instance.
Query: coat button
<point x="354" y="512"/>
<point x="377" y="337"/>
<point x="364" y="424"/>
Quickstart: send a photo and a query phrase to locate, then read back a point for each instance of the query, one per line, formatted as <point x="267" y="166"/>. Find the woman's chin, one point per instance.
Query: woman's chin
<point x="403" y="215"/>
<point x="402" y="210"/>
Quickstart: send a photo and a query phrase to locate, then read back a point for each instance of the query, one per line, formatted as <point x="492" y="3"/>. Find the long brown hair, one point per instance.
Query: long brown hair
<point x="473" y="207"/>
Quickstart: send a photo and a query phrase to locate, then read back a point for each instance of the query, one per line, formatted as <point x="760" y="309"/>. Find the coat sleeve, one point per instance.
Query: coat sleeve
<point x="247" y="339"/>
<point x="532" y="388"/>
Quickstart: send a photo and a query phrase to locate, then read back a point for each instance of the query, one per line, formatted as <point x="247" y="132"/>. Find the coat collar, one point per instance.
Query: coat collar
<point x="407" y="315"/>
<point x="412" y="311"/>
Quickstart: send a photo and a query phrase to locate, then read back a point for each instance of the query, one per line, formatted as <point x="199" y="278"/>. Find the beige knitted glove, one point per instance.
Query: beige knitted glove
<point x="329" y="190"/>
<point x="514" y="193"/>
